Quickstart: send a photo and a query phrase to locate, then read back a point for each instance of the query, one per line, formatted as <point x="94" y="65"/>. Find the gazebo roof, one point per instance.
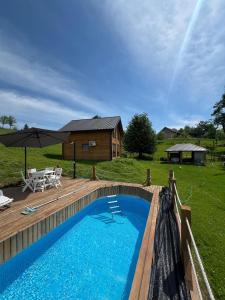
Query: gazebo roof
<point x="186" y="148"/>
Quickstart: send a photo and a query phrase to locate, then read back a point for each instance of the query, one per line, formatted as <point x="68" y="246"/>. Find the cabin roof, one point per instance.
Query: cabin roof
<point x="186" y="148"/>
<point x="107" y="123"/>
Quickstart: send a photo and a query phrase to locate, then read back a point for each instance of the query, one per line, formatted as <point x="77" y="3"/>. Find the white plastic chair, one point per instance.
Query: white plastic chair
<point x="27" y="183"/>
<point x="55" y="179"/>
<point x="30" y="171"/>
<point x="38" y="181"/>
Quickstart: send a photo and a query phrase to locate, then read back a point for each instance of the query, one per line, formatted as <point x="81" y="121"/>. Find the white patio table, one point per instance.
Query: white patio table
<point x="39" y="180"/>
<point x="48" y="173"/>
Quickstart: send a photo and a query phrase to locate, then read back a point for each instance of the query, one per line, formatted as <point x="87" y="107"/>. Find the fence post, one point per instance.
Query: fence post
<point x="171" y="176"/>
<point x="185" y="237"/>
<point x="172" y="182"/>
<point x="148" y="180"/>
<point x="94" y="176"/>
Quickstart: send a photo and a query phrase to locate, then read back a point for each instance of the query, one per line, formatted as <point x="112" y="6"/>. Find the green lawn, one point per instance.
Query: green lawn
<point x="201" y="187"/>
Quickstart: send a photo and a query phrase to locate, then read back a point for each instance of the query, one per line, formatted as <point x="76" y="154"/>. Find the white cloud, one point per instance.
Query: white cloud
<point x="20" y="66"/>
<point x="153" y="32"/>
<point x="178" y="121"/>
<point x="203" y="68"/>
<point x="39" y="112"/>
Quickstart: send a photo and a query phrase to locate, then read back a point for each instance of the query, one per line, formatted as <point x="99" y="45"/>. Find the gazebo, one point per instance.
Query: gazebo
<point x="175" y="153"/>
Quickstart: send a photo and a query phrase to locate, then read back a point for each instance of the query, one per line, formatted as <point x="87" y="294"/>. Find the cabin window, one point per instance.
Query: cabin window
<point x="85" y="147"/>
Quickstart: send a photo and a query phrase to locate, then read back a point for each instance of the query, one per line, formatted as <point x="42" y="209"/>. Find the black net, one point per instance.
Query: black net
<point x="167" y="275"/>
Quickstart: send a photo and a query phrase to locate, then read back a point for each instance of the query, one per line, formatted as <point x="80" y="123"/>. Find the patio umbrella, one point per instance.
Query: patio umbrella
<point x="33" y="137"/>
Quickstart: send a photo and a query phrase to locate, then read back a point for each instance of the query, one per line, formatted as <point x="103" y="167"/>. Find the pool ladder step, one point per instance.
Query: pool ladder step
<point x="116" y="212"/>
<point x="114" y="207"/>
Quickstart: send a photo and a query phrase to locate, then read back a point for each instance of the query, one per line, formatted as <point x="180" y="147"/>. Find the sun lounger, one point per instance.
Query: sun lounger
<point x="4" y="201"/>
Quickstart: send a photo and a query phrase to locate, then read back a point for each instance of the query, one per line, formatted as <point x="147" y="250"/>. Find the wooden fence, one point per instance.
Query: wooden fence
<point x="188" y="247"/>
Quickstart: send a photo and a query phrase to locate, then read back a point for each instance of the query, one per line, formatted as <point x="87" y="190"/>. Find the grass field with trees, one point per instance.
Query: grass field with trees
<point x="201" y="187"/>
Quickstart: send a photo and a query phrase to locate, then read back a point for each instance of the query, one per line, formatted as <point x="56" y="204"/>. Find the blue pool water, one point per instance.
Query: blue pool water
<point x="90" y="256"/>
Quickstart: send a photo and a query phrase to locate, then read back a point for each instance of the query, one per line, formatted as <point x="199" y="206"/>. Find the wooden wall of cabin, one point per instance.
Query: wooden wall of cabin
<point x="102" y="150"/>
<point x="116" y="142"/>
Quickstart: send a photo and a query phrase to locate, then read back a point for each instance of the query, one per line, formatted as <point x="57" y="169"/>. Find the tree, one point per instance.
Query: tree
<point x="220" y="135"/>
<point x="219" y="112"/>
<point x="4" y="120"/>
<point x="96" y="117"/>
<point x="140" y="137"/>
<point x="187" y="130"/>
<point x="209" y="129"/>
<point x="160" y="136"/>
<point x="11" y="121"/>
<point x="25" y="126"/>
<point x="204" y="129"/>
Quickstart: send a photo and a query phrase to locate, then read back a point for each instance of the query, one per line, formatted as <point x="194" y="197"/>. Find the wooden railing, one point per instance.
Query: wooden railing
<point x="188" y="247"/>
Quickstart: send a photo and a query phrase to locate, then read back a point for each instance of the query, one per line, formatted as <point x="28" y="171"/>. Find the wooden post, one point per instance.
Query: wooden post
<point x="168" y="156"/>
<point x="171" y="176"/>
<point x="94" y="176"/>
<point x="173" y="192"/>
<point x="185" y="237"/>
<point x="148" y="180"/>
<point x="25" y="158"/>
<point x="74" y="160"/>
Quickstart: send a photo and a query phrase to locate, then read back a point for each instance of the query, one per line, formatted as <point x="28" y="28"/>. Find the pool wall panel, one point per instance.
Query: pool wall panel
<point x="21" y="240"/>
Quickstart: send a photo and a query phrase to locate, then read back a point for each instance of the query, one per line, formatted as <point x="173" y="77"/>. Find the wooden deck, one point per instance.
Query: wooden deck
<point x="12" y="222"/>
<point x="11" y="219"/>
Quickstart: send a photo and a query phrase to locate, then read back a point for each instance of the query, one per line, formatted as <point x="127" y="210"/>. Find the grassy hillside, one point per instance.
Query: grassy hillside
<point x="5" y="130"/>
<point x="201" y="187"/>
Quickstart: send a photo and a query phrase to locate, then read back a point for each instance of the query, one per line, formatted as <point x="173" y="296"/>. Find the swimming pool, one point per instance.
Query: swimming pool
<point x="90" y="256"/>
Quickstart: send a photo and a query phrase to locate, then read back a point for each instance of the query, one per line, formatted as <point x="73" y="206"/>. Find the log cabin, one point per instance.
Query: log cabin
<point x="93" y="139"/>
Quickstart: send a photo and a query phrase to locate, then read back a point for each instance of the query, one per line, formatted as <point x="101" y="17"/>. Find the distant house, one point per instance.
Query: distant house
<point x="94" y="139"/>
<point x="186" y="153"/>
<point x="168" y="133"/>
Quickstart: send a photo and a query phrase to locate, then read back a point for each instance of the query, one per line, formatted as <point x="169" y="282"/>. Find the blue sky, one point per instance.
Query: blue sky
<point x="63" y="60"/>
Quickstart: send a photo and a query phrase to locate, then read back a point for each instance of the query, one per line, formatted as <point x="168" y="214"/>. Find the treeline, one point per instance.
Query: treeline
<point x="8" y="120"/>
<point x="212" y="129"/>
<point x="204" y="129"/>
